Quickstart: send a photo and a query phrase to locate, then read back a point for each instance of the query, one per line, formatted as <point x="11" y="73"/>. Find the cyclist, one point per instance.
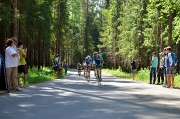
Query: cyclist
<point x="97" y="61"/>
<point x="79" y="68"/>
<point x="88" y="62"/>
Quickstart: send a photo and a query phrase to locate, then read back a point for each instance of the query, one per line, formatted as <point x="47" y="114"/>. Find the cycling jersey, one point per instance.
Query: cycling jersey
<point x="88" y="61"/>
<point x="97" y="61"/>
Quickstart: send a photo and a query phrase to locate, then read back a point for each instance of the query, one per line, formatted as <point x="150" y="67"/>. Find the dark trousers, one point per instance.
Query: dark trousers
<point x="161" y="75"/>
<point x="165" y="75"/>
<point x="152" y="74"/>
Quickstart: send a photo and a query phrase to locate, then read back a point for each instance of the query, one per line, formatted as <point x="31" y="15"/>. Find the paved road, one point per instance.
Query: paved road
<point x="74" y="98"/>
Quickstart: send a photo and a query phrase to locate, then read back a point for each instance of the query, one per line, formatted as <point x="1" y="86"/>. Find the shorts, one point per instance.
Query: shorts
<point x="79" y="68"/>
<point x="170" y="71"/>
<point x="23" y="69"/>
<point x="133" y="71"/>
<point x="57" y="68"/>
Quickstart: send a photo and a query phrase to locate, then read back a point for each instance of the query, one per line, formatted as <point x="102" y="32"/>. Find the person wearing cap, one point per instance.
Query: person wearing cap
<point x="15" y="41"/>
<point x="170" y="69"/>
<point x="22" y="68"/>
<point x="161" y="69"/>
<point x="154" y="63"/>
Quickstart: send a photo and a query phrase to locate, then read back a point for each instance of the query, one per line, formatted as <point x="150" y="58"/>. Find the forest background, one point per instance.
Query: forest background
<point x="118" y="29"/>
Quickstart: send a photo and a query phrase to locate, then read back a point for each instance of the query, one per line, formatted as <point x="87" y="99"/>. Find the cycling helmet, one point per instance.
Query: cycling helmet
<point x="88" y="57"/>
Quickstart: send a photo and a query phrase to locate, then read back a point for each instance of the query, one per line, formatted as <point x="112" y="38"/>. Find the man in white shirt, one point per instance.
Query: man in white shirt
<point x="11" y="64"/>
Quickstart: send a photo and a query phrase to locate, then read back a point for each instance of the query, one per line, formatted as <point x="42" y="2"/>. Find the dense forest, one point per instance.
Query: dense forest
<point x="118" y="29"/>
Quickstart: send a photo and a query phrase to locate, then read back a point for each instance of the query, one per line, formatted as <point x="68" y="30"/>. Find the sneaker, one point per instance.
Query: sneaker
<point x="18" y="90"/>
<point x="171" y="87"/>
<point x="25" y="86"/>
<point x="157" y="83"/>
<point x="164" y="85"/>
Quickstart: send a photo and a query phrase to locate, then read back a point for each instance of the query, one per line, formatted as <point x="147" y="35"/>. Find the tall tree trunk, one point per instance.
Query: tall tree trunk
<point x="15" y="23"/>
<point x="2" y="39"/>
<point x="84" y="28"/>
<point x="162" y="30"/>
<point x="170" y="27"/>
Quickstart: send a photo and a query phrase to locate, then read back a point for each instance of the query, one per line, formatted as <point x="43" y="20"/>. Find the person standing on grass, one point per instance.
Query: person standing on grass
<point x="57" y="66"/>
<point x="133" y="68"/>
<point x="170" y="68"/>
<point x="161" y="69"/>
<point x="165" y="66"/>
<point x="154" y="63"/>
<point x="22" y="68"/>
<point x="65" y="67"/>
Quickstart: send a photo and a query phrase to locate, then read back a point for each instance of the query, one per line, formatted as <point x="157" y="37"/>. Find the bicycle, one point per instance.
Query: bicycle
<point x="87" y="76"/>
<point x="98" y="77"/>
<point x="79" y="71"/>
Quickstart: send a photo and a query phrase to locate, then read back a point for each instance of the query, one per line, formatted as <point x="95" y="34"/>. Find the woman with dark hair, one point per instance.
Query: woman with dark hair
<point x="11" y="64"/>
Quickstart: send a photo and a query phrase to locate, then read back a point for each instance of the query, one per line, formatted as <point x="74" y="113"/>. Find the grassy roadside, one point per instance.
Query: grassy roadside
<point x="38" y="76"/>
<point x="142" y="75"/>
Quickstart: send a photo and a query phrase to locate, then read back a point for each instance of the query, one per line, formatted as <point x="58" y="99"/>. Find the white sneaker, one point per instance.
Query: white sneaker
<point x="171" y="87"/>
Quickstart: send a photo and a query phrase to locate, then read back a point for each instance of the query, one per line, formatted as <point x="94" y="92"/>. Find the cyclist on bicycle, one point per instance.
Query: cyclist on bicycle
<point x="79" y="67"/>
<point x="88" y="62"/>
<point x="97" y="61"/>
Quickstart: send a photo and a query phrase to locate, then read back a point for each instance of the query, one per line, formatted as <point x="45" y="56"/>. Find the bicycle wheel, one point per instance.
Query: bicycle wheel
<point x="79" y="72"/>
<point x="98" y="77"/>
<point x="88" y="76"/>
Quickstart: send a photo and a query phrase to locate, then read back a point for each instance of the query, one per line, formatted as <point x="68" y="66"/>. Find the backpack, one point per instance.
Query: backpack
<point x="174" y="58"/>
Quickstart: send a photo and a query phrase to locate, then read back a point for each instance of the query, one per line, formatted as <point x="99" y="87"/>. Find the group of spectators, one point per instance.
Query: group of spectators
<point x="165" y="73"/>
<point x="58" y="66"/>
<point x="167" y="63"/>
<point x="15" y="63"/>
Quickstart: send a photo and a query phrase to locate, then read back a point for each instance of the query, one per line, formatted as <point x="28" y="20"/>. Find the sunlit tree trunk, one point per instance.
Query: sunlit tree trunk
<point x="15" y="23"/>
<point x="170" y="27"/>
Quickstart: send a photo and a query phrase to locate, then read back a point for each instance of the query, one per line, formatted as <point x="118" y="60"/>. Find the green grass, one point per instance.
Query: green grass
<point x="38" y="76"/>
<point x="117" y="72"/>
<point x="142" y="75"/>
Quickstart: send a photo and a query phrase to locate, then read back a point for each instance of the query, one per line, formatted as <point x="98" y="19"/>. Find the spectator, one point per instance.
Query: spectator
<point x="165" y="65"/>
<point x="133" y="68"/>
<point x="61" y="67"/>
<point x="56" y="66"/>
<point x="170" y="69"/>
<point x="22" y="68"/>
<point x="15" y="40"/>
<point x="65" y="67"/>
<point x="154" y="63"/>
<point x="161" y="69"/>
<point x="11" y="64"/>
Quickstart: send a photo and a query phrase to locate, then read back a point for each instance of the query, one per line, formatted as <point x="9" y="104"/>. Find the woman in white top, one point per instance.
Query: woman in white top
<point x="11" y="64"/>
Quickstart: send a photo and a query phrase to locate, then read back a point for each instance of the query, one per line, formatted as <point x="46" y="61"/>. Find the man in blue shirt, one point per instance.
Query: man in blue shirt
<point x="154" y="63"/>
<point x="98" y="62"/>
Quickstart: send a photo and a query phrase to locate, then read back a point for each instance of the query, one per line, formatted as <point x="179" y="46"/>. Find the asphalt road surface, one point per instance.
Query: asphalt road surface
<point x="74" y="98"/>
